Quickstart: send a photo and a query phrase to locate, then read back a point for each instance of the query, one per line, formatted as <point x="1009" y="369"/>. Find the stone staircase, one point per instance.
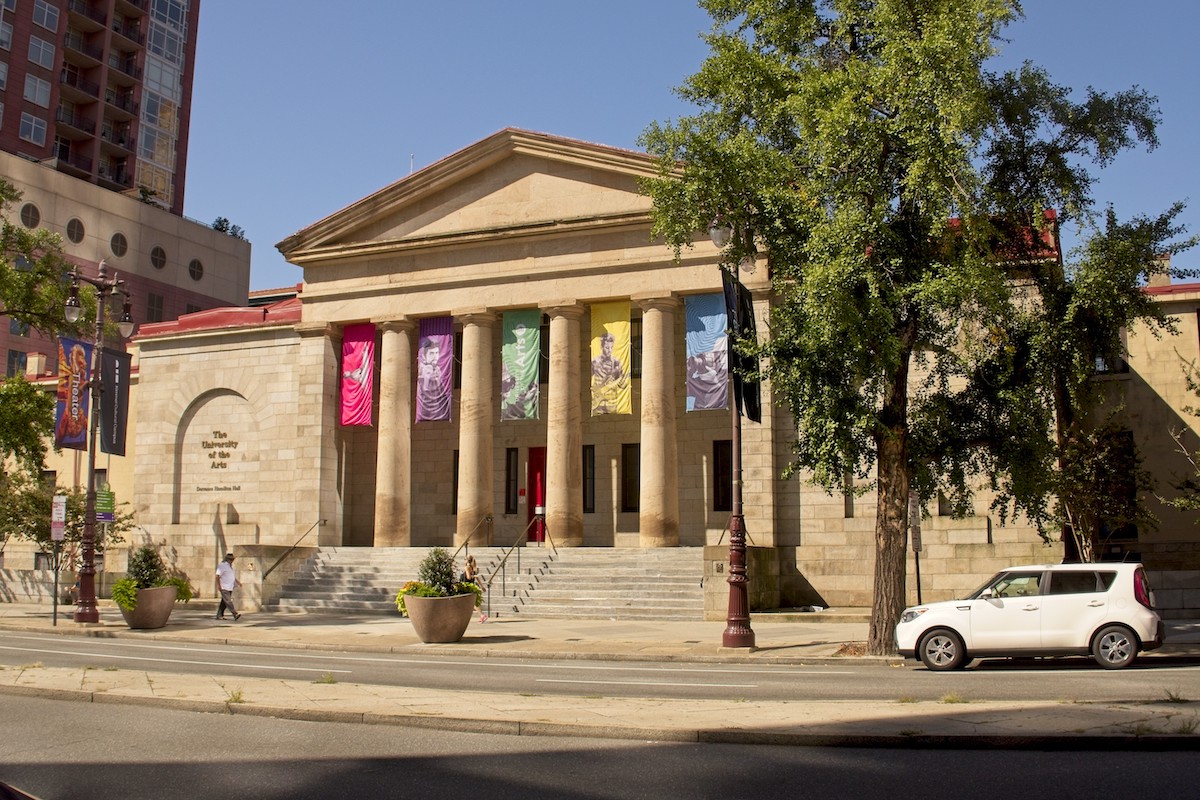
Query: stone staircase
<point x="610" y="583"/>
<point x="580" y="583"/>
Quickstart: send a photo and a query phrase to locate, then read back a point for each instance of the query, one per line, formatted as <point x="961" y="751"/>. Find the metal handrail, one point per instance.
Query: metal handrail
<point x="291" y="549"/>
<point x="502" y="567"/>
<point x="466" y="542"/>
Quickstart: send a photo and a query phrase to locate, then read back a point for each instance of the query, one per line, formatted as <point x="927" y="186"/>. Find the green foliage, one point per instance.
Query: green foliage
<point x="146" y="567"/>
<point x="436" y="578"/>
<point x="25" y="503"/>
<point x="924" y="327"/>
<point x="436" y="571"/>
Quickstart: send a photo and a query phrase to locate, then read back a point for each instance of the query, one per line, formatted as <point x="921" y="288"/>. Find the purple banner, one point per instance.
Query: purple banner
<point x="74" y="396"/>
<point x="435" y="369"/>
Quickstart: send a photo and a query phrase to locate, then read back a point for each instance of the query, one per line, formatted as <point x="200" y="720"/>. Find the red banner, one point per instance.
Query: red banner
<point x="74" y="394"/>
<point x="358" y="373"/>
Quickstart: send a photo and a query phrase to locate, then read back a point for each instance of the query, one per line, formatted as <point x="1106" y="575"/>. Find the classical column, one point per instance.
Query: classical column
<point x="658" y="499"/>
<point x="476" y="410"/>
<point x="393" y="464"/>
<point x="317" y="491"/>
<point x="564" y="429"/>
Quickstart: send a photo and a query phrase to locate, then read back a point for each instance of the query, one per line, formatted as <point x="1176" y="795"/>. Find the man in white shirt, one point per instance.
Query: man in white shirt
<point x="226" y="582"/>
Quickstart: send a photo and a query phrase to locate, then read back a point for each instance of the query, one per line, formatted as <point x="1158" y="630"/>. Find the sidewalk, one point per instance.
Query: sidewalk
<point x="1040" y="725"/>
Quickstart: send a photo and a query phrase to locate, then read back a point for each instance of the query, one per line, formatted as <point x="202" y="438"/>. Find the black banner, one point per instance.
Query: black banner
<point x="739" y="307"/>
<point x="114" y="401"/>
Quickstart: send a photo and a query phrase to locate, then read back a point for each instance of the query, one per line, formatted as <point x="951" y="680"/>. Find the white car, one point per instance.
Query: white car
<point x="1104" y="609"/>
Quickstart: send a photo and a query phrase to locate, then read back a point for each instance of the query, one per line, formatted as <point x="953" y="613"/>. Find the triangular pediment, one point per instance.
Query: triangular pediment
<point x="512" y="182"/>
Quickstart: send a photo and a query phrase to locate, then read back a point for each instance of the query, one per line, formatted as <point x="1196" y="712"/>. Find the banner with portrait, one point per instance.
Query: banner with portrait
<point x="114" y="400"/>
<point x="435" y="369"/>
<point x="611" y="384"/>
<point x="707" y="352"/>
<point x="358" y="374"/>
<point x="74" y="394"/>
<point x="520" y="354"/>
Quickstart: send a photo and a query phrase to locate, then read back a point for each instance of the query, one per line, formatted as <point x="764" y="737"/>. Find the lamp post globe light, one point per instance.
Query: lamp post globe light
<point x="106" y="287"/>
<point x="738" y="632"/>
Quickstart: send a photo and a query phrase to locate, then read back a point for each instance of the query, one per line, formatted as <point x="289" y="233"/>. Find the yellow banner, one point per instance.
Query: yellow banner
<point x="610" y="358"/>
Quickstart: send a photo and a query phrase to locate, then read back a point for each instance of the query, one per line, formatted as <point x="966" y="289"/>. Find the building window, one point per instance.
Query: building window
<point x="631" y="476"/>
<point x="18" y="328"/>
<point x="45" y="15"/>
<point x="37" y="90"/>
<point x="722" y="475"/>
<point x="158" y="257"/>
<point x="75" y="230"/>
<point x="196" y="269"/>
<point x="118" y="244"/>
<point x="848" y="494"/>
<point x="635" y="347"/>
<point x="154" y="307"/>
<point x="191" y="308"/>
<point x="454" y="485"/>
<point x="3" y="75"/>
<point x="6" y="35"/>
<point x="33" y="129"/>
<point x="30" y="216"/>
<point x="544" y="351"/>
<point x="589" y="479"/>
<point x="41" y="52"/>
<point x="16" y="363"/>
<point x="456" y="380"/>
<point x="511" y="479"/>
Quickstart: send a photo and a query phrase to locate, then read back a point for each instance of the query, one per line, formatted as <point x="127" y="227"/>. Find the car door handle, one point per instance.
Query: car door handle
<point x="1030" y="608"/>
<point x="1096" y="604"/>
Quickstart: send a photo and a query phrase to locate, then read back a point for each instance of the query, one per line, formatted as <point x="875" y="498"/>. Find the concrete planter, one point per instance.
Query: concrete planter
<point x="438" y="620"/>
<point x="154" y="607"/>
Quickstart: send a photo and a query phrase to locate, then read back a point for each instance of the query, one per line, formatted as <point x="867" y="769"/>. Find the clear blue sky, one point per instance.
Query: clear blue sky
<point x="299" y="111"/>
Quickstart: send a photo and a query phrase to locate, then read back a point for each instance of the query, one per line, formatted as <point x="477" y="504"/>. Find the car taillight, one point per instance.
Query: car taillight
<point x="1141" y="589"/>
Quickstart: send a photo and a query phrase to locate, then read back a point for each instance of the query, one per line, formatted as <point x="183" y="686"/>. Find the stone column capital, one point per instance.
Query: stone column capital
<point x="570" y="309"/>
<point x="656" y="301"/>
<point x="401" y="324"/>
<point x="476" y="316"/>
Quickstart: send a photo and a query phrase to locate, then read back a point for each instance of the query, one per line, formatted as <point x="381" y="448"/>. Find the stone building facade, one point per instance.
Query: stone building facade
<point x="239" y="440"/>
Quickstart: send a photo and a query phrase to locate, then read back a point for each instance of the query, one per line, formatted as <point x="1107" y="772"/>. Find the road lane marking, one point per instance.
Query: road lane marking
<point x="653" y="683"/>
<point x="170" y="660"/>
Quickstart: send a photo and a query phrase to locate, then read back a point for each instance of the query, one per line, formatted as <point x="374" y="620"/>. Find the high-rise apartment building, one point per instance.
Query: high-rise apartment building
<point x="101" y="90"/>
<point x="95" y="104"/>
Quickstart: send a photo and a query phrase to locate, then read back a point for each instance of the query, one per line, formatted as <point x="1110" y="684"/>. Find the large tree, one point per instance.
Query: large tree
<point x="33" y="292"/>
<point x="926" y="333"/>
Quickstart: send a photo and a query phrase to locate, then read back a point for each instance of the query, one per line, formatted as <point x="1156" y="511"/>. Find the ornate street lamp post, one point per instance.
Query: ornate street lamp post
<point x="106" y="287"/>
<point x="738" y="632"/>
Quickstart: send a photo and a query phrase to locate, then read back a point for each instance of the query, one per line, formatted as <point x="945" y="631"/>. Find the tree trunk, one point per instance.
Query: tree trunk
<point x="891" y="514"/>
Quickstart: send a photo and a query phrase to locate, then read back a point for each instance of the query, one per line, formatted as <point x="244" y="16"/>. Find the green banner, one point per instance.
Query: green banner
<point x="519" y="357"/>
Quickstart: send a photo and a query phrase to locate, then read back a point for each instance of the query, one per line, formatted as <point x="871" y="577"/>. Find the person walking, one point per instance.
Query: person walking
<point x="471" y="573"/>
<point x="226" y="582"/>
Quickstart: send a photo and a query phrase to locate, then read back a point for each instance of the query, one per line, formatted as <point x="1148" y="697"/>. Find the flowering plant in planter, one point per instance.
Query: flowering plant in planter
<point x="147" y="570"/>
<point x="436" y="578"/>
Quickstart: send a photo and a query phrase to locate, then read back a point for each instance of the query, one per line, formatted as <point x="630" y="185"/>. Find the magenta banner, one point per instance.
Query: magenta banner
<point x="358" y="373"/>
<point x="435" y="369"/>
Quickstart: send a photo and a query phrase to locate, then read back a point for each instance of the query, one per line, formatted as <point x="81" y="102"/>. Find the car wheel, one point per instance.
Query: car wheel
<point x="1114" y="647"/>
<point x="942" y="649"/>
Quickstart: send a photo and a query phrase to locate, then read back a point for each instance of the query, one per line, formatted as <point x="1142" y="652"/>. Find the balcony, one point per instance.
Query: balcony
<point x="123" y="101"/>
<point x="82" y="10"/>
<point x="75" y="44"/>
<point x="130" y="32"/>
<point x="76" y="121"/>
<point x="75" y="81"/>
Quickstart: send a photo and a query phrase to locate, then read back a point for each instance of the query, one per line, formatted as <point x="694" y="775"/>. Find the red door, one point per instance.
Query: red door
<point x="536" y="492"/>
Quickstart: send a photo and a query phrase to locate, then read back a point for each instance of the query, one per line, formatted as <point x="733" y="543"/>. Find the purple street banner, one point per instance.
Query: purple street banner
<point x="520" y="353"/>
<point x="739" y="305"/>
<point x="114" y="400"/>
<point x="435" y="369"/>
<point x="707" y="352"/>
<point x="74" y="380"/>
<point x="611" y="387"/>
<point x="358" y="374"/>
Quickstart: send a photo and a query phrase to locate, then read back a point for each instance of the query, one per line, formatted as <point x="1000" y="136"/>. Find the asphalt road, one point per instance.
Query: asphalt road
<point x="1152" y="678"/>
<point x="66" y="750"/>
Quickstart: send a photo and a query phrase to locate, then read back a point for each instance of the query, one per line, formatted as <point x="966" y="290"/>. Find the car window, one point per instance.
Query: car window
<point x="1017" y="584"/>
<point x="1074" y="582"/>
